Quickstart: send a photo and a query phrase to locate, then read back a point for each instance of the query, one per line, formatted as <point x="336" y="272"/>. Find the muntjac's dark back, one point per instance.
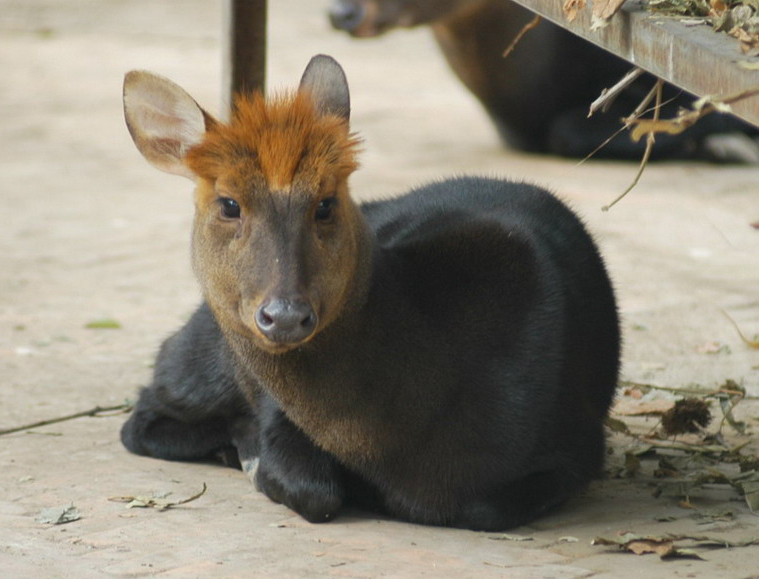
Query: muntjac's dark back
<point x="447" y="357"/>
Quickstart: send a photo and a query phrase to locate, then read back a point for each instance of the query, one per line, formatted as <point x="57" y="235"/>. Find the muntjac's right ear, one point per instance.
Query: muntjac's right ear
<point x="164" y="121"/>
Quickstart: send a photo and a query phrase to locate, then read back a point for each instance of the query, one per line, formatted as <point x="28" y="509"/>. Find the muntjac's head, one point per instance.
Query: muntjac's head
<point x="276" y="239"/>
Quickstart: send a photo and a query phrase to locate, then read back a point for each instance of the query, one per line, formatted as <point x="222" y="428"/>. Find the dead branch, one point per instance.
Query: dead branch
<point x="650" y="139"/>
<point x="609" y="94"/>
<point x="525" y="29"/>
<point x="626" y="122"/>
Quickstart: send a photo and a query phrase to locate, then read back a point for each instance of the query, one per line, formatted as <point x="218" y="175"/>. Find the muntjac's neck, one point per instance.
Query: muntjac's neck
<point x="315" y="384"/>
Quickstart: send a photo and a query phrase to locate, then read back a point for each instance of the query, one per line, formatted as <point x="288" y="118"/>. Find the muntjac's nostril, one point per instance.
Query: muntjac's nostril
<point x="346" y="15"/>
<point x="286" y="321"/>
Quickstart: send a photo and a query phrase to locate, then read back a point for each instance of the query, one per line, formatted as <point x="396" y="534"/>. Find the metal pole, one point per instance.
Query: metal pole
<point x="244" y="64"/>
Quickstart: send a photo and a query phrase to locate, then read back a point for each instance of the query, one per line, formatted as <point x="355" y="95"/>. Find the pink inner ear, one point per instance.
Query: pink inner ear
<point x="164" y="121"/>
<point x="167" y="147"/>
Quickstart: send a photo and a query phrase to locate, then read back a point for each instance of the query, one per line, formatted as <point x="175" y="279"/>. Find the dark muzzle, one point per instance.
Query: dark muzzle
<point x="286" y="321"/>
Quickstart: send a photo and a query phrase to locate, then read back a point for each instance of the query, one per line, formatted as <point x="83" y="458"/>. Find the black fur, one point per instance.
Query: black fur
<point x="483" y="360"/>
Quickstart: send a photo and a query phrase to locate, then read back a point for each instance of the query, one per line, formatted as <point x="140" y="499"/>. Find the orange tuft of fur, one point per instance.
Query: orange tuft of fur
<point x="280" y="139"/>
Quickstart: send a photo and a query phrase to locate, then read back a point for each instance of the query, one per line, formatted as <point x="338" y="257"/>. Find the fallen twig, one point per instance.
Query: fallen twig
<point x="126" y="407"/>
<point x="750" y="343"/>
<point x="525" y="29"/>
<point x="705" y="392"/>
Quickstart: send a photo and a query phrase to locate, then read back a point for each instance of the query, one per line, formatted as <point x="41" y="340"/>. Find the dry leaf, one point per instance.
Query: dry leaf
<point x="634" y="393"/>
<point x="713" y="348"/>
<point x="572" y="8"/>
<point x="701" y="107"/>
<point x="751" y="493"/>
<point x="717" y="6"/>
<point x="663" y="546"/>
<point x="605" y="9"/>
<point x="645" y="126"/>
<point x="156" y="501"/>
<point x="627" y="407"/>
<point x="59" y="515"/>
<point x="644" y="547"/>
<point x="616" y="425"/>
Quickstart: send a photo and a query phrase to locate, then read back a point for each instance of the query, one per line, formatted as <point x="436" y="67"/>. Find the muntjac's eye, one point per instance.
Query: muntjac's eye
<point x="230" y="209"/>
<point x="325" y="209"/>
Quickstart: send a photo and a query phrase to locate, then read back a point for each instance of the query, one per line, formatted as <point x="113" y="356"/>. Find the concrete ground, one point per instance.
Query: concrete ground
<point x="88" y="232"/>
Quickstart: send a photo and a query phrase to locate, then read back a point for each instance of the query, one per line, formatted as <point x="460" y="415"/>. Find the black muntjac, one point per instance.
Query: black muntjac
<point x="446" y="357"/>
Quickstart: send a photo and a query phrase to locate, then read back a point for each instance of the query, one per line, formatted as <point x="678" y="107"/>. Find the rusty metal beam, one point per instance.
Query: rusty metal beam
<point x="695" y="58"/>
<point x="244" y="37"/>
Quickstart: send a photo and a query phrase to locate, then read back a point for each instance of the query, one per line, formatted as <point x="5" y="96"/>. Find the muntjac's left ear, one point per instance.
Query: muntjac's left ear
<point x="325" y="81"/>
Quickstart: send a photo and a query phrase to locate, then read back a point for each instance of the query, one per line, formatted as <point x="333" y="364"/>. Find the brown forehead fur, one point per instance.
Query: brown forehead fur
<point x="279" y="139"/>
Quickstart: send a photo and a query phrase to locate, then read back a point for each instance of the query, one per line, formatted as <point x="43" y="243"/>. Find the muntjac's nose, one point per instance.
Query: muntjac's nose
<point x="286" y="321"/>
<point x="345" y="15"/>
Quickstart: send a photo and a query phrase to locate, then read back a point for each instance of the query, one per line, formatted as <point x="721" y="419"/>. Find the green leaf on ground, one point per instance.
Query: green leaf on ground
<point x="104" y="324"/>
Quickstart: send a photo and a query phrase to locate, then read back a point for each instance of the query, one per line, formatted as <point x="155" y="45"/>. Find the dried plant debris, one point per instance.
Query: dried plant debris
<point x="626" y="406"/>
<point x="572" y="8"/>
<point x="687" y="118"/>
<point x="644" y="545"/>
<point x="692" y="8"/>
<point x="693" y="407"/>
<point x="603" y="10"/>
<point x="671" y="546"/>
<point x="157" y="501"/>
<point x="59" y="515"/>
<point x="729" y="395"/>
<point x="683" y="485"/>
<point x="692" y="457"/>
<point x="738" y="18"/>
<point x="687" y="415"/>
